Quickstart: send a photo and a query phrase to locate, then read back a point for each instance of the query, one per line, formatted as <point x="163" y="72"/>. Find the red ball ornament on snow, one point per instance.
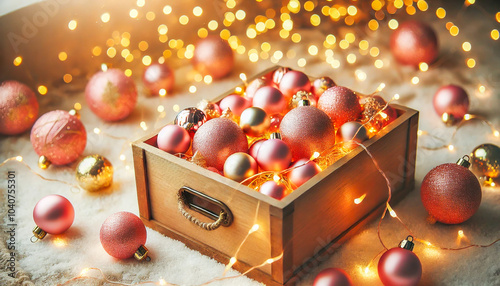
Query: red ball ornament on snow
<point x="414" y="42"/>
<point x="173" y="139"/>
<point x="218" y="139"/>
<point x="53" y="214"/>
<point x="157" y="77"/>
<point x="111" y="95"/>
<point x="236" y="103"/>
<point x="274" y="154"/>
<point x="340" y="104"/>
<point x="306" y="130"/>
<point x="270" y="99"/>
<point x="18" y="108"/>
<point x="451" y="193"/>
<point x="273" y="189"/>
<point x="302" y="171"/>
<point x="294" y="81"/>
<point x="399" y="266"/>
<point x="213" y="56"/>
<point x="332" y="277"/>
<point x="453" y="100"/>
<point x="59" y="136"/>
<point x="123" y="235"/>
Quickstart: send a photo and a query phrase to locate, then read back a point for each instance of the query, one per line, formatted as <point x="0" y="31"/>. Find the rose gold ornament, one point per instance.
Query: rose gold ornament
<point x="18" y="108"/>
<point x="302" y="171"/>
<point x="236" y="103"/>
<point x="414" y="42"/>
<point x="53" y="214"/>
<point x="278" y="74"/>
<point x="270" y="99"/>
<point x="340" y="104"/>
<point x="354" y="131"/>
<point x="452" y="100"/>
<point x="294" y="81"/>
<point x="376" y="115"/>
<point x="254" y="121"/>
<point x="399" y="266"/>
<point x="213" y="56"/>
<point x="240" y="166"/>
<point x="332" y="277"/>
<point x="321" y="84"/>
<point x="254" y="85"/>
<point x="274" y="155"/>
<point x="254" y="148"/>
<point x="273" y="189"/>
<point x="157" y="77"/>
<point x="191" y="119"/>
<point x="218" y="139"/>
<point x="211" y="110"/>
<point x="173" y="139"/>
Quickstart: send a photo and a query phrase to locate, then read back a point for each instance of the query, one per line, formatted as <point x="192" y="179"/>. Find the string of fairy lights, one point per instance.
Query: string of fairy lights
<point x="335" y="49"/>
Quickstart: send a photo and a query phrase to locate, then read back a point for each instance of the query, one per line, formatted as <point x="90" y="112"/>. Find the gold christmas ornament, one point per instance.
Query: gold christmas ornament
<point x="240" y="166"/>
<point x="210" y="109"/>
<point x="43" y="162"/>
<point x="94" y="173"/>
<point x="298" y="97"/>
<point x="485" y="161"/>
<point x="229" y="115"/>
<point x="254" y="121"/>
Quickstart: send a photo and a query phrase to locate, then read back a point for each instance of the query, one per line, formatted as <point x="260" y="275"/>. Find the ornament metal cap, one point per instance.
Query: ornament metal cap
<point x="142" y="253"/>
<point x="407" y="243"/>
<point x="464" y="161"/>
<point x="275" y="135"/>
<point x="448" y="119"/>
<point x="43" y="162"/>
<point x="38" y="233"/>
<point x="304" y="102"/>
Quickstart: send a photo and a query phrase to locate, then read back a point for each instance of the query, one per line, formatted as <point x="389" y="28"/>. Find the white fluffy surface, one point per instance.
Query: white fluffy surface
<point x="47" y="263"/>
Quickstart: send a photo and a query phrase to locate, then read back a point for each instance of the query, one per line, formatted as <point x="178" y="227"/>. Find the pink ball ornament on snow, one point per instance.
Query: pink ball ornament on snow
<point x="302" y="171"/>
<point x="18" y="108"/>
<point x="399" y="266"/>
<point x="111" y="95"/>
<point x="58" y="136"/>
<point x="273" y="189"/>
<point x="123" y="235"/>
<point x="53" y="214"/>
<point x="332" y="277"/>
<point x="236" y="103"/>
<point x="173" y="139"/>
<point x="294" y="81"/>
<point x="270" y="99"/>
<point x="452" y="100"/>
<point x="158" y="77"/>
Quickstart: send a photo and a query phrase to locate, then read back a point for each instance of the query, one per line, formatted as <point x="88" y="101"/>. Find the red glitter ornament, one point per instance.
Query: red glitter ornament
<point x="157" y="77"/>
<point x="294" y="81"/>
<point x="451" y="193"/>
<point x="453" y="100"/>
<point x="111" y="95"/>
<point x="53" y="214"/>
<point x="218" y="139"/>
<point x="59" y="136"/>
<point x="340" y="104"/>
<point x="332" y="277"/>
<point x="213" y="56"/>
<point x="18" y="108"/>
<point x="414" y="42"/>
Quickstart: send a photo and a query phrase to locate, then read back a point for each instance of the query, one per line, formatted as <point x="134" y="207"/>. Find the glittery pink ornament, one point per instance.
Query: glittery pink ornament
<point x="254" y="148"/>
<point x="254" y="85"/>
<point x="59" y="136"/>
<point x="236" y="103"/>
<point x="157" y="77"/>
<point x="18" y="108"/>
<point x="122" y="234"/>
<point x="294" y="81"/>
<point x="213" y="56"/>
<point x="453" y="100"/>
<point x="111" y="95"/>
<point x="173" y="139"/>
<point x="332" y="277"/>
<point x="306" y="130"/>
<point x="270" y="99"/>
<point x="218" y="139"/>
<point x="273" y="189"/>
<point x="54" y="214"/>
<point x="274" y="155"/>
<point x="414" y="42"/>
<point x="399" y="267"/>
<point x="303" y="171"/>
<point x="340" y="104"/>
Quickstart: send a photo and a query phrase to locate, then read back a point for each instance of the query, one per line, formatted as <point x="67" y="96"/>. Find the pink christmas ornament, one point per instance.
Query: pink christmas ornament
<point x="294" y="81"/>
<point x="332" y="277"/>
<point x="59" y="136"/>
<point x="218" y="139"/>
<point x="451" y="99"/>
<point x="340" y="104"/>
<point x="277" y="75"/>
<point x="173" y="139"/>
<point x="414" y="42"/>
<point x="274" y="155"/>
<point x="213" y="56"/>
<point x="122" y="234"/>
<point x="254" y="148"/>
<point x="18" y="108"/>
<point x="354" y="131"/>
<point x="157" y="77"/>
<point x="270" y="99"/>
<point x="273" y="189"/>
<point x="54" y="214"/>
<point x="254" y="85"/>
<point x="236" y="103"/>
<point x="302" y="171"/>
<point x="111" y="95"/>
<point x="399" y="267"/>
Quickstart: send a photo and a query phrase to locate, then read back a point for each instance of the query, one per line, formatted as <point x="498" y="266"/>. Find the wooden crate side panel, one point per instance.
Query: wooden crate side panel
<point x="141" y="182"/>
<point x="328" y="209"/>
<point x="166" y="178"/>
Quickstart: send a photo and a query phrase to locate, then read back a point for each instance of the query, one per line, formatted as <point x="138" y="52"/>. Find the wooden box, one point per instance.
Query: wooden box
<point x="303" y="227"/>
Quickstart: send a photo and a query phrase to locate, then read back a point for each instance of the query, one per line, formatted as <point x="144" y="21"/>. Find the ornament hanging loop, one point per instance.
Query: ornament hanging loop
<point x="407" y="243"/>
<point x="34" y="239"/>
<point x="464" y="161"/>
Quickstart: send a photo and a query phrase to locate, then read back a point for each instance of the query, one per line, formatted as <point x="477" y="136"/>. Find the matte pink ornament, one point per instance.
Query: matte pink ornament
<point x="399" y="267"/>
<point x="414" y="42"/>
<point x="173" y="139"/>
<point x="254" y="148"/>
<point x="340" y="104"/>
<point x="218" y="139"/>
<point x="306" y="130"/>
<point x="157" y="77"/>
<point x="236" y="103"/>
<point x="122" y="234"/>
<point x="332" y="277"/>
<point x="54" y="214"/>
<point x="273" y="189"/>
<point x="270" y="99"/>
<point x="302" y="171"/>
<point x="294" y="81"/>
<point x="111" y="95"/>
<point x="254" y="85"/>
<point x="59" y="136"/>
<point x="274" y="155"/>
<point x="354" y="131"/>
<point x="18" y="108"/>
<point x="213" y="56"/>
<point x="451" y="99"/>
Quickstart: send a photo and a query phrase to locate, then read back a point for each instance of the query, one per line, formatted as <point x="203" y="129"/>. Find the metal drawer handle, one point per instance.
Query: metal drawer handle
<point x="205" y="205"/>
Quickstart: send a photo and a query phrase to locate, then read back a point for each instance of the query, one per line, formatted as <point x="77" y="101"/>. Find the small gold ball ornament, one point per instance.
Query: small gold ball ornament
<point x="94" y="173"/>
<point x="240" y="166"/>
<point x="43" y="162"/>
<point x="254" y="121"/>
<point x="485" y="161"/>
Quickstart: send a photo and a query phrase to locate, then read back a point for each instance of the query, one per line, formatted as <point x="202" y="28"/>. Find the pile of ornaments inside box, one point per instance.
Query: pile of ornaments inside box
<point x="277" y="124"/>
